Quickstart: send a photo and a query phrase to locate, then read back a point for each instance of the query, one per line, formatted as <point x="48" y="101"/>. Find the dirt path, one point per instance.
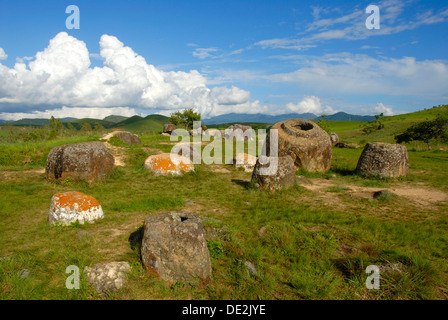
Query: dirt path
<point x="118" y="152"/>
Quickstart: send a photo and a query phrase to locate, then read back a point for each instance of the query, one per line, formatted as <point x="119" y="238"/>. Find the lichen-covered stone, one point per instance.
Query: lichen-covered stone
<point x="383" y="160"/>
<point x="168" y="128"/>
<point x="167" y="163"/>
<point x="128" y="137"/>
<point x="88" y="161"/>
<point x="273" y="173"/>
<point x="239" y="132"/>
<point x="109" y="276"/>
<point x="188" y="150"/>
<point x="174" y="246"/>
<point x="334" y="138"/>
<point x="69" y="207"/>
<point x="305" y="142"/>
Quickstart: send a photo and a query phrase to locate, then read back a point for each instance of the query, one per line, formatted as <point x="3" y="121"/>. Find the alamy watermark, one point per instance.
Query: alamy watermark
<point x="73" y="20"/>
<point x="373" y="21"/>
<point x="373" y="281"/>
<point x="72" y="281"/>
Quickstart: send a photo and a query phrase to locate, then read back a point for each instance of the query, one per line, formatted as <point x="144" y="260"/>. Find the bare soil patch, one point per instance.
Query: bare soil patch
<point x="421" y="194"/>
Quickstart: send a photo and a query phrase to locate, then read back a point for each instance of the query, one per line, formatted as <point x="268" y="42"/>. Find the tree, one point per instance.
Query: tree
<point x="98" y="128"/>
<point x="374" y="125"/>
<point x="70" y="128"/>
<point x="86" y="128"/>
<point x="323" y="123"/>
<point x="55" y="127"/>
<point x="185" y="118"/>
<point x="426" y="131"/>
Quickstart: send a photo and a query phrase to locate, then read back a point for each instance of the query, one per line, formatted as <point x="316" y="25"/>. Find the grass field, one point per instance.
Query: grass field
<point x="311" y="241"/>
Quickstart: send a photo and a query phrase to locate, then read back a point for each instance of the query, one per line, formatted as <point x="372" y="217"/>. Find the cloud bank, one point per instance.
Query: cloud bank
<point x="61" y="75"/>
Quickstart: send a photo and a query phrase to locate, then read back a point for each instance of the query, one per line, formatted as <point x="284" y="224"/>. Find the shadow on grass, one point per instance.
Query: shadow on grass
<point x="344" y="172"/>
<point x="135" y="239"/>
<point x="243" y="183"/>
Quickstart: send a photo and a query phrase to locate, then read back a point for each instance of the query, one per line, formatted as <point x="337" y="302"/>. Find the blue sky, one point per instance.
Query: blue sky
<point x="144" y="57"/>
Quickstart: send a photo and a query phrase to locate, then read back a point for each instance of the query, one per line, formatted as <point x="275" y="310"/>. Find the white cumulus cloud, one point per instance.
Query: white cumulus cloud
<point x="61" y="74"/>
<point x="309" y="104"/>
<point x="381" y="108"/>
<point x="3" y="55"/>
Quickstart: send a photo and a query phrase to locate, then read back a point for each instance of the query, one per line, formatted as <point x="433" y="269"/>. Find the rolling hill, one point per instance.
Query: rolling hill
<point x="78" y="122"/>
<point x="115" y="119"/>
<point x="153" y="122"/>
<point x="38" y="122"/>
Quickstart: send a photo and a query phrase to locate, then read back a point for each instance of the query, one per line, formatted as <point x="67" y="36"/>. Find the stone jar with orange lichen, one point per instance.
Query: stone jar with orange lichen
<point x="69" y="207"/>
<point x="167" y="163"/>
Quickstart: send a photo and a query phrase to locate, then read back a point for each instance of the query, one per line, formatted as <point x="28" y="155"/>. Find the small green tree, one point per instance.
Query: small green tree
<point x="55" y="128"/>
<point x="86" y="128"/>
<point x="323" y="123"/>
<point x="374" y="125"/>
<point x="98" y="128"/>
<point x="70" y="128"/>
<point x="426" y="131"/>
<point x="184" y="118"/>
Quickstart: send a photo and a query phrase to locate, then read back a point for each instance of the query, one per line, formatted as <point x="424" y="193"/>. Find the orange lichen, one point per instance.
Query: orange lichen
<point x="69" y="199"/>
<point x="164" y="164"/>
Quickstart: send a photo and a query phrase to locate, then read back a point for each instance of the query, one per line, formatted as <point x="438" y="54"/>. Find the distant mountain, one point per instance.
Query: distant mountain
<point x="127" y="121"/>
<point x="115" y="119"/>
<point x="153" y="122"/>
<point x="264" y="118"/>
<point x="77" y="123"/>
<point x="38" y="122"/>
<point x="261" y="118"/>
<point x="342" y="116"/>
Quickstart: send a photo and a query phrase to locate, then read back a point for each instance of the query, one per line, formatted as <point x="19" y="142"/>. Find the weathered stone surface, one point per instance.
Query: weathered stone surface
<point x="240" y="132"/>
<point x="108" y="276"/>
<point x="272" y="177"/>
<point x="334" y="138"/>
<point x="81" y="161"/>
<point x="383" y="160"/>
<point x="163" y="164"/>
<point x="245" y="161"/>
<point x="128" y="137"/>
<point x="168" y="128"/>
<point x="174" y="246"/>
<point x="308" y="145"/>
<point x="69" y="207"/>
<point x="189" y="151"/>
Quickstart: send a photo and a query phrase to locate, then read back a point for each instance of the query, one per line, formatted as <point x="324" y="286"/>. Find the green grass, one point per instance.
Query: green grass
<point x="26" y="155"/>
<point x="305" y="244"/>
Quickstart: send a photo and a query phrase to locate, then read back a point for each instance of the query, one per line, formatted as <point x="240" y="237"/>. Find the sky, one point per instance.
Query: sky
<point x="218" y="57"/>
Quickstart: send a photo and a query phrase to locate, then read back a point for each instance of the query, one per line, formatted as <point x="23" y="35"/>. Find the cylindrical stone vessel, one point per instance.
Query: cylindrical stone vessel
<point x="305" y="142"/>
<point x="385" y="160"/>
